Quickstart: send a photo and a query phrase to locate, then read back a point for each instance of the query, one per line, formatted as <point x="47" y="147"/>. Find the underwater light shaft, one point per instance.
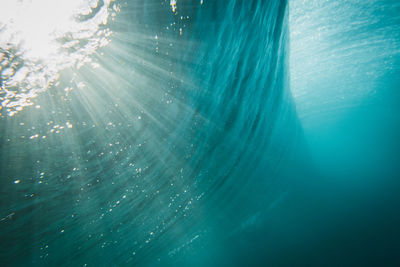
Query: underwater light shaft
<point x="150" y="155"/>
<point x="171" y="133"/>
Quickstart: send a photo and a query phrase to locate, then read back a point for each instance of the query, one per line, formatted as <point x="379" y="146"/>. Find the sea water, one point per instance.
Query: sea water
<point x="153" y="133"/>
<point x="171" y="133"/>
<point x="345" y="79"/>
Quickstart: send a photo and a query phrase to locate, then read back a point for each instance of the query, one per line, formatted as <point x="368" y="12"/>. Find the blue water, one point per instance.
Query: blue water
<point x="212" y="133"/>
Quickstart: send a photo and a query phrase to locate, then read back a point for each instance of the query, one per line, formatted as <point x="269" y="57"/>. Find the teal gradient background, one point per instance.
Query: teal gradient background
<point x="222" y="133"/>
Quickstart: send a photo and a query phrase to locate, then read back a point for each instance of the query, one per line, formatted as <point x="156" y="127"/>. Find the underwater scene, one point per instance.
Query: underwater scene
<point x="199" y="133"/>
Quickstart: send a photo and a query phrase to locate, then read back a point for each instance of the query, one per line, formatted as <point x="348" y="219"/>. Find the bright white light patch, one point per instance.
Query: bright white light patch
<point x="39" y="38"/>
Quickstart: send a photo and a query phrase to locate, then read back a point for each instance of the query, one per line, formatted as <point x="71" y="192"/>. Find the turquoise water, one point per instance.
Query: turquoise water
<point x="201" y="133"/>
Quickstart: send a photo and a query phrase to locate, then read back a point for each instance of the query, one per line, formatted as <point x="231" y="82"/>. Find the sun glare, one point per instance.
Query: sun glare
<point x="39" y="38"/>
